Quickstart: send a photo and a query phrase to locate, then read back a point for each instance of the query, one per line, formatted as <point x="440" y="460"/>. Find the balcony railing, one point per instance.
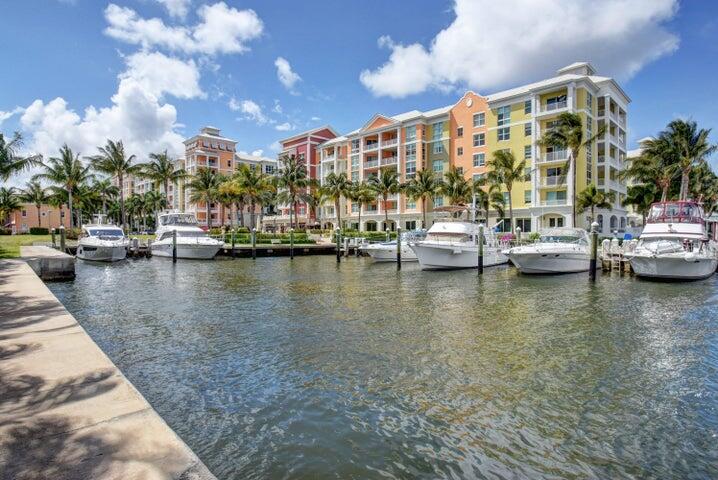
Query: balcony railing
<point x="329" y="158"/>
<point x="371" y="146"/>
<point x="601" y="112"/>
<point x="388" y="161"/>
<point x="371" y="163"/>
<point x="554" y="203"/>
<point x="389" y="142"/>
<point x="549" y="107"/>
<point x="553" y="181"/>
<point x="556" y="156"/>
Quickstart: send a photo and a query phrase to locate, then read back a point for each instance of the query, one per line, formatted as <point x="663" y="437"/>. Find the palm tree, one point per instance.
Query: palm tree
<point x="505" y="170"/>
<point x="36" y="194"/>
<point x="294" y="181"/>
<point x="592" y="198"/>
<point x="255" y="184"/>
<point x="113" y="161"/>
<point x="155" y="201"/>
<point x="657" y="164"/>
<point x="105" y="191"/>
<point x="10" y="162"/>
<point x="456" y="187"/>
<point x="362" y="194"/>
<point x="568" y="134"/>
<point x="640" y="196"/>
<point x="691" y="147"/>
<point x="232" y="192"/>
<point x="385" y="184"/>
<point x="67" y="172"/>
<point x="488" y="198"/>
<point x="9" y="202"/>
<point x="205" y="186"/>
<point x="315" y="199"/>
<point x="161" y="170"/>
<point x="424" y="185"/>
<point x="87" y="199"/>
<point x="337" y="186"/>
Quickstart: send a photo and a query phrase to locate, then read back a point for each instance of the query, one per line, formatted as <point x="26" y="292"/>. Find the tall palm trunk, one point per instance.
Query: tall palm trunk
<point x="386" y="212"/>
<point x="39" y="220"/>
<point x="209" y="215"/>
<point x="572" y="166"/>
<point x="339" y="214"/>
<point x="423" y="210"/>
<point x="253" y="214"/>
<point x="511" y="211"/>
<point x="69" y="207"/>
<point x="359" y="224"/>
<point x="685" y="178"/>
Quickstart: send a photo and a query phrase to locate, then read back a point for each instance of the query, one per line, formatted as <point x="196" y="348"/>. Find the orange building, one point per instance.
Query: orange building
<point x="27" y="217"/>
<point x="467" y="123"/>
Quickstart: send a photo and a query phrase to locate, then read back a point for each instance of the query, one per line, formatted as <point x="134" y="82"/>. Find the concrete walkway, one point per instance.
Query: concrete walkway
<point x="66" y="411"/>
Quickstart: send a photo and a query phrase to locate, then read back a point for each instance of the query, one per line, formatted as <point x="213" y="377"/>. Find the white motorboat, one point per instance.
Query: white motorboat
<point x="558" y="250"/>
<point x="102" y="242"/>
<point x="192" y="241"/>
<point x="674" y="244"/>
<point x="454" y="244"/>
<point x="386" y="251"/>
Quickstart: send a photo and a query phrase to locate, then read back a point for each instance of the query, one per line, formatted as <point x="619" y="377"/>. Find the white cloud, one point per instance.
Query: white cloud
<point x="221" y="29"/>
<point x="136" y="117"/>
<point x="491" y="44"/>
<point x="234" y="104"/>
<point x="277" y="106"/>
<point x="286" y="75"/>
<point x="252" y="110"/>
<point x="160" y="74"/>
<point x="315" y="119"/>
<point x="275" y="146"/>
<point x="176" y="8"/>
<point x="6" y="115"/>
<point x="258" y="152"/>
<point x="284" y="127"/>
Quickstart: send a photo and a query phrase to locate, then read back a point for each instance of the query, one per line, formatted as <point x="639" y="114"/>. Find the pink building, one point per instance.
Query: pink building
<point x="27" y="217"/>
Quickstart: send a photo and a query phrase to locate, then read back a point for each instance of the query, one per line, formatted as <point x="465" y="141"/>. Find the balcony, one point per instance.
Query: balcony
<point x="553" y="181"/>
<point x="371" y="163"/>
<point x="329" y="158"/>
<point x="388" y="161"/>
<point x="389" y="142"/>
<point x="555" y="156"/>
<point x="370" y="146"/>
<point x="562" y="202"/>
<point x="552" y="107"/>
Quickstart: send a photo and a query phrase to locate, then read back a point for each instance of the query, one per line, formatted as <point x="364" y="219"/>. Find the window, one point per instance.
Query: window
<point x="527" y="129"/>
<point x="479" y="139"/>
<point x="477" y="177"/>
<point x="438" y="147"/>
<point x="410" y="169"/>
<point x="438" y="201"/>
<point x="460" y="132"/>
<point x="410" y="152"/>
<point x="460" y="170"/>
<point x="24" y="212"/>
<point x="589" y="101"/>
<point x="555" y="103"/>
<point x="527" y="151"/>
<point x="479" y="119"/>
<point x="527" y="107"/>
<point x="411" y="204"/>
<point x="411" y="133"/>
<point x="479" y="159"/>
<point x="503" y="115"/>
<point x="527" y="197"/>
<point x="355" y="145"/>
<point x="524" y="224"/>
<point x="410" y="224"/>
<point x="355" y="207"/>
<point x="438" y="165"/>
<point x="555" y="222"/>
<point x="506" y="198"/>
<point x="355" y="162"/>
<point x="437" y="131"/>
<point x="503" y="134"/>
<point x="527" y="173"/>
<point x="355" y="176"/>
<point x="460" y="151"/>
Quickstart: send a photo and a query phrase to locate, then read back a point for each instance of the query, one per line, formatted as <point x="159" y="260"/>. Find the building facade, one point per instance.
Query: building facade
<point x="466" y="134"/>
<point x="27" y="217"/>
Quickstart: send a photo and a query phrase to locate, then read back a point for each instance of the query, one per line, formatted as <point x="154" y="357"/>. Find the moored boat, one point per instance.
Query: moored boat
<point x="102" y="242"/>
<point x="558" y="250"/>
<point x="674" y="244"/>
<point x="192" y="241"/>
<point x="386" y="251"/>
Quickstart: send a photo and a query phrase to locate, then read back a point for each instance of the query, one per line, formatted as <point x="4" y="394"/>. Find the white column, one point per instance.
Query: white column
<point x="571" y="96"/>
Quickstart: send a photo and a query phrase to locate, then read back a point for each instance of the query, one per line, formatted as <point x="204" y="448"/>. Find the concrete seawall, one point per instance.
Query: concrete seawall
<point x="66" y="411"/>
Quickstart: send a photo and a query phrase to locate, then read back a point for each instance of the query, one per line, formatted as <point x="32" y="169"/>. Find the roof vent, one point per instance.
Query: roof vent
<point x="210" y="131"/>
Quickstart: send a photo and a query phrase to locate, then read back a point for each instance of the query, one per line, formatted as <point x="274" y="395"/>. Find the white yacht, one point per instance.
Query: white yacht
<point x="454" y="244"/>
<point x="192" y="241"/>
<point x="674" y="244"/>
<point x="558" y="250"/>
<point x="386" y="251"/>
<point x="102" y="242"/>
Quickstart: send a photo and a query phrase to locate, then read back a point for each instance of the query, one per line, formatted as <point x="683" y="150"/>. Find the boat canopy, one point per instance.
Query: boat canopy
<point x="182" y="219"/>
<point x="564" y="235"/>
<point x="675" y="212"/>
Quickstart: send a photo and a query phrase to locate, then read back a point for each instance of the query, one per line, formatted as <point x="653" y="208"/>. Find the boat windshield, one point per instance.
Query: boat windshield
<point x="105" y="232"/>
<point x="675" y="212"/>
<point x="186" y="219"/>
<point x="447" y="237"/>
<point x="184" y="234"/>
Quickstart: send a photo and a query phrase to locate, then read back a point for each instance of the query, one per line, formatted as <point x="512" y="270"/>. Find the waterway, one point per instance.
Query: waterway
<point x="308" y="369"/>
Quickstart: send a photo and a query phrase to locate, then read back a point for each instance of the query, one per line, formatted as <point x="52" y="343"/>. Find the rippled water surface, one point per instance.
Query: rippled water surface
<point x="305" y="369"/>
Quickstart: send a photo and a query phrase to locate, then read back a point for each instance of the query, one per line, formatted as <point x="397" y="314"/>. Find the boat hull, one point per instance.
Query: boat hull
<point x="387" y="253"/>
<point x="194" y="251"/>
<point x="548" y="263"/>
<point x="113" y="253"/>
<point x="673" y="267"/>
<point x="447" y="257"/>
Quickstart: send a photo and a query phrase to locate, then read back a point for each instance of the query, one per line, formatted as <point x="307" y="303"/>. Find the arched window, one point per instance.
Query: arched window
<point x="623" y="223"/>
<point x="599" y="220"/>
<point x="614" y="222"/>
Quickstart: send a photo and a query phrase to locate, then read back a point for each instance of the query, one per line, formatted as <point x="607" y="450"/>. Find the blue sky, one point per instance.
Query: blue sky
<point x="154" y="71"/>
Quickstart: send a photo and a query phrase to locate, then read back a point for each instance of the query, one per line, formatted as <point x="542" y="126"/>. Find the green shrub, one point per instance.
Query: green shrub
<point x="5" y="231"/>
<point x="39" y="231"/>
<point x="534" y="236"/>
<point x="72" y="233"/>
<point x="243" y="230"/>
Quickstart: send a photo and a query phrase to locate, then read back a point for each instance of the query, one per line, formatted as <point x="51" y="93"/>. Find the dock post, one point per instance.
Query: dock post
<point x="481" y="249"/>
<point x="398" y="248"/>
<point x="174" y="246"/>
<point x="291" y="244"/>
<point x="594" y="252"/>
<point x="388" y="235"/>
<point x="62" y="238"/>
<point x="52" y="232"/>
<point x="254" y="243"/>
<point x="338" y="239"/>
<point x="234" y="241"/>
<point x="518" y="235"/>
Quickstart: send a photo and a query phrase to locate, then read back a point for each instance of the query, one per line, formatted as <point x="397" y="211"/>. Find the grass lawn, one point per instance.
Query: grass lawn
<point x="10" y="244"/>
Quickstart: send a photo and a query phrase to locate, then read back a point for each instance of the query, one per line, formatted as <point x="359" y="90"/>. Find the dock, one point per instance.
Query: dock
<point x="66" y="411"/>
<point x="48" y="263"/>
<point x="278" y="250"/>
